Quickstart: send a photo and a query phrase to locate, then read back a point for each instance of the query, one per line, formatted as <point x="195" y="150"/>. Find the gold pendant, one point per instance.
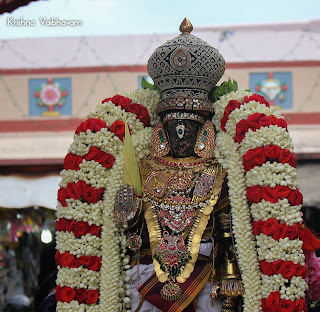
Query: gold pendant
<point x="170" y="291"/>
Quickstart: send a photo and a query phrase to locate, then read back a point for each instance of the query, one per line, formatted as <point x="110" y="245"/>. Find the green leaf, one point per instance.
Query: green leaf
<point x="226" y="87"/>
<point x="147" y="85"/>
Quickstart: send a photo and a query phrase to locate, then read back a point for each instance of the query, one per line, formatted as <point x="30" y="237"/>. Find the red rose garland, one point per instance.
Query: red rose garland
<point x="256" y="193"/>
<point x="260" y="155"/>
<point x="78" y="227"/>
<point x="272" y="154"/>
<point x="140" y="111"/>
<point x="83" y="261"/>
<point x="80" y="191"/>
<point x="82" y="295"/>
<point x="94" y="124"/>
<point x="255" y="122"/>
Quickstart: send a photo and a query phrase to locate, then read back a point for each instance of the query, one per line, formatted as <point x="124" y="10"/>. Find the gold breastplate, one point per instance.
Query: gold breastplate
<point x="178" y="200"/>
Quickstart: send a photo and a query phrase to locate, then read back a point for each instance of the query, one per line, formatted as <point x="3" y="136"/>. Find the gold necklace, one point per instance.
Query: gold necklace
<point x="179" y="269"/>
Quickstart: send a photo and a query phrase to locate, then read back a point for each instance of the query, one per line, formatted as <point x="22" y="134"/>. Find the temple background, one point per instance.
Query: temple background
<point x="281" y="60"/>
<point x="88" y="69"/>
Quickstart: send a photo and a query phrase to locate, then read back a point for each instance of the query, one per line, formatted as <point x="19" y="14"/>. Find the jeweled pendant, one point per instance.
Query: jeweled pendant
<point x="180" y="130"/>
<point x="170" y="291"/>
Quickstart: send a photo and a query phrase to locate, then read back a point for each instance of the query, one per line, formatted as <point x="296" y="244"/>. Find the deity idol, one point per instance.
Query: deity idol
<point x="210" y="216"/>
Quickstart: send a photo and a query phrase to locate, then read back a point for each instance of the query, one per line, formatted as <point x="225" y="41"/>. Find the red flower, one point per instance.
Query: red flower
<point x="257" y="225"/>
<point x="276" y="265"/>
<point x="274" y="120"/>
<point x="293" y="161"/>
<point x="92" y="195"/>
<point x="272" y="152"/>
<point x="106" y="100"/>
<point x="84" y="261"/>
<point x="248" y="165"/>
<point x="81" y="187"/>
<point x="255" y="117"/>
<point x="286" y="306"/>
<point x="266" y="267"/>
<point x="81" y="228"/>
<point x="124" y="102"/>
<point x="141" y="112"/>
<point x="248" y="161"/>
<point x="299" y="229"/>
<point x="95" y="264"/>
<point x="94" y="124"/>
<point x="75" y="263"/>
<point x="224" y="121"/>
<point x="301" y="305"/>
<point x="92" y="296"/>
<point x="62" y="196"/>
<point x="287" y="269"/>
<point x="283" y="123"/>
<point x="254" y="193"/>
<point x="291" y="232"/>
<point x="258" y="98"/>
<point x="61" y="224"/>
<point x="58" y="293"/>
<point x="239" y="137"/>
<point x="264" y="121"/>
<point x="280" y="232"/>
<point x="118" y="128"/>
<point x="282" y="191"/>
<point x="81" y="295"/>
<point x="269" y="194"/>
<point x="94" y="230"/>
<point x="72" y="191"/>
<point x="66" y="259"/>
<point x="301" y="270"/>
<point x="285" y="156"/>
<point x="253" y="126"/>
<point x="58" y="257"/>
<point x="295" y="198"/>
<point x="232" y="105"/>
<point x="116" y="99"/>
<point x="241" y="129"/>
<point x="249" y="154"/>
<point x="72" y="162"/>
<point x="259" y="156"/>
<point x="265" y="308"/>
<point x="70" y="225"/>
<point x="105" y="159"/>
<point x="273" y="301"/>
<point x="67" y="294"/>
<point x="269" y="226"/>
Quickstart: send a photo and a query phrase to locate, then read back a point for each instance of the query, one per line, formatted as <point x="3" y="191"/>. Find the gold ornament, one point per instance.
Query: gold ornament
<point x="204" y="146"/>
<point x="160" y="145"/>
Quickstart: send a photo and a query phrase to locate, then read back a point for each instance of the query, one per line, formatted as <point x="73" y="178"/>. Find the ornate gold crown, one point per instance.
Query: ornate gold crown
<point x="185" y="69"/>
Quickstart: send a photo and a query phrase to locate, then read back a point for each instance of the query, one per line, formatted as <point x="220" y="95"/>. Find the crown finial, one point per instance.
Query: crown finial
<point x="186" y="27"/>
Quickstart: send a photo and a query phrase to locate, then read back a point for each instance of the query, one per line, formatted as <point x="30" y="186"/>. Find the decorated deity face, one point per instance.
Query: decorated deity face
<point x="182" y="136"/>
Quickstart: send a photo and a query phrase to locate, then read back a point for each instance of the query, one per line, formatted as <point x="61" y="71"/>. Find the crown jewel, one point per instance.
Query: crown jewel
<point x="186" y="66"/>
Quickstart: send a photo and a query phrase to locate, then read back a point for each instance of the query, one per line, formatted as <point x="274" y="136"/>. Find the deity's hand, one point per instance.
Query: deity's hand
<point x="127" y="207"/>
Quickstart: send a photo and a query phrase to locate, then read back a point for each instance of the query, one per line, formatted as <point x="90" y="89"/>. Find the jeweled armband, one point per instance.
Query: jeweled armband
<point x="127" y="207"/>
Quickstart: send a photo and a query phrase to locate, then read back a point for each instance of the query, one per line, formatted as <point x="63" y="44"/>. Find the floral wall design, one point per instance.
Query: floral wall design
<point x="275" y="87"/>
<point x="50" y="97"/>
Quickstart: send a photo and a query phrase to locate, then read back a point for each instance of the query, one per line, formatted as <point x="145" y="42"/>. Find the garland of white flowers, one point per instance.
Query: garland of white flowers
<point x="112" y="245"/>
<point x="249" y="249"/>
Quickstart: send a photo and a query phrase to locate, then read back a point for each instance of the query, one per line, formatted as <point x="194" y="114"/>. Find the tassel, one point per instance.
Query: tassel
<point x="310" y="241"/>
